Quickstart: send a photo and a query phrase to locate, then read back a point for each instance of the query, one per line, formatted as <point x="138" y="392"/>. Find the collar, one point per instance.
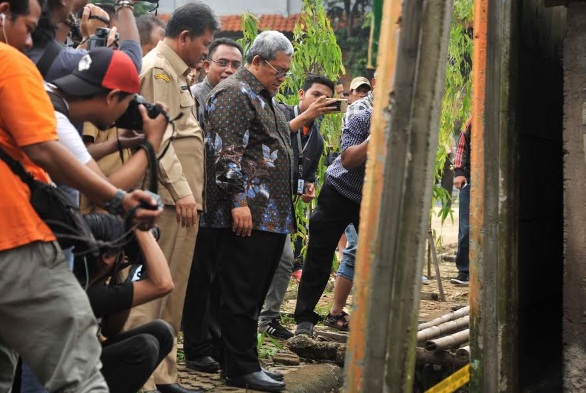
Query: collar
<point x="176" y="62"/>
<point x="254" y="83"/>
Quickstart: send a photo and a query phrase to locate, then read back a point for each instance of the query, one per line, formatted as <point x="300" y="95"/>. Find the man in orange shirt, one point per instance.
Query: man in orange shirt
<point x="46" y="315"/>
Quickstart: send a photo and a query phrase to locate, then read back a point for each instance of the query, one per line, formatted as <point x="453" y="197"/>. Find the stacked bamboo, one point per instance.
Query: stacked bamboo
<point x="439" y="340"/>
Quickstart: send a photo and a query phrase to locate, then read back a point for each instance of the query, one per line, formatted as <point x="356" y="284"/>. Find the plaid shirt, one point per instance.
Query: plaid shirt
<point x="248" y="156"/>
<point x="349" y="182"/>
<point x="357" y="106"/>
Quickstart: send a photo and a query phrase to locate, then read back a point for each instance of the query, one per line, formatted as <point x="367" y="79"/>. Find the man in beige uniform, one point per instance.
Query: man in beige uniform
<point x="165" y="77"/>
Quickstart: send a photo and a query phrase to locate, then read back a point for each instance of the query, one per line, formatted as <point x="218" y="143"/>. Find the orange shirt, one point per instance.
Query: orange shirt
<point x="26" y="117"/>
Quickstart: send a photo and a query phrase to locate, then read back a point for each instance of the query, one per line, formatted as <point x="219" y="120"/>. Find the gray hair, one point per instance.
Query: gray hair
<point x="267" y="44"/>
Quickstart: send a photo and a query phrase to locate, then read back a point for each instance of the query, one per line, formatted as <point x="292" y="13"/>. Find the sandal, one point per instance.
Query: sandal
<point x="339" y="322"/>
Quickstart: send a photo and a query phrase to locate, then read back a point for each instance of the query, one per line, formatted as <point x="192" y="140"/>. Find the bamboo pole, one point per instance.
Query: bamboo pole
<point x="444" y="328"/>
<point x="442" y="358"/>
<point x="447" y="342"/>
<point x="463" y="353"/>
<point x="381" y="351"/>
<point x="446" y="317"/>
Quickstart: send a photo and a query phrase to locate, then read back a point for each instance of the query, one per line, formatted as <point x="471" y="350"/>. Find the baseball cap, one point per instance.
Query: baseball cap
<point x="359" y="81"/>
<point x="99" y="71"/>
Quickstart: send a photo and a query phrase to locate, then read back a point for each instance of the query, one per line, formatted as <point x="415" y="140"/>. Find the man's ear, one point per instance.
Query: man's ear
<point x="4" y="12"/>
<point x="183" y="36"/>
<point x="206" y="65"/>
<point x="301" y="94"/>
<point x="257" y="61"/>
<point x="112" y="97"/>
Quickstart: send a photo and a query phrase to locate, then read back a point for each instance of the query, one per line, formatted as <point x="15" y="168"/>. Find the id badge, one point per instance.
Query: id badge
<point x="300" y="186"/>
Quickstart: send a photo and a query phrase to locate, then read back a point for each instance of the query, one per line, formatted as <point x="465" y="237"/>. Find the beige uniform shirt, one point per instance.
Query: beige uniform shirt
<point x="164" y="78"/>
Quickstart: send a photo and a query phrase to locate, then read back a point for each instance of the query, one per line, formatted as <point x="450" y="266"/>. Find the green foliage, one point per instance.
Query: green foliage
<point x="315" y="52"/>
<point x="267" y="350"/>
<point x="457" y="102"/>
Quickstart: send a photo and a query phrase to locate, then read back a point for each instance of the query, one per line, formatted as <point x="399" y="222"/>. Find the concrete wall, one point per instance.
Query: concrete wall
<point x="539" y="119"/>
<point x="235" y="7"/>
<point x="575" y="199"/>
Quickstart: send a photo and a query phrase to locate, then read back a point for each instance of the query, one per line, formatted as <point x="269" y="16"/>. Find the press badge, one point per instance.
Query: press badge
<point x="300" y="186"/>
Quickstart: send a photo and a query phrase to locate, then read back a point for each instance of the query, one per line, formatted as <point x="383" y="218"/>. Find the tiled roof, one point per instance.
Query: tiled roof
<point x="233" y="23"/>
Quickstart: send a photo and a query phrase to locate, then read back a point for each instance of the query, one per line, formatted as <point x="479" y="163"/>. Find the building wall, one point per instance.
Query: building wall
<point x="235" y="7"/>
<point x="575" y="199"/>
<point x="539" y="118"/>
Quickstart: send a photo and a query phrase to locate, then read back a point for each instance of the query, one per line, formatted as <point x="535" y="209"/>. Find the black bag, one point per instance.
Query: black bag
<point x="55" y="209"/>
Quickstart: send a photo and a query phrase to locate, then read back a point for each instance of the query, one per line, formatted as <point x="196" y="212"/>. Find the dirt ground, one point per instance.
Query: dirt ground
<point x="456" y="297"/>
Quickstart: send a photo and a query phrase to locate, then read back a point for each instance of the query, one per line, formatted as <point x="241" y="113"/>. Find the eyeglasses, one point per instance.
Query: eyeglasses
<point x="279" y="74"/>
<point x="225" y="63"/>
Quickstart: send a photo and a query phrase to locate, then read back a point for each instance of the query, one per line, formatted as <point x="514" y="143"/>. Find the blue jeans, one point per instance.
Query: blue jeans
<point x="462" y="255"/>
<point x="346" y="268"/>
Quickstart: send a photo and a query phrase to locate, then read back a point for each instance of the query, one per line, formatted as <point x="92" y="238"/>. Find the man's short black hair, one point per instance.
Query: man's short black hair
<point x="145" y="24"/>
<point x="223" y="41"/>
<point x="18" y="7"/>
<point x="322" y="80"/>
<point x="196" y="18"/>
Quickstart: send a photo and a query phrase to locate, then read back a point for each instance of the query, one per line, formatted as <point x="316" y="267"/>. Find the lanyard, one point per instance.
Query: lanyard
<point x="299" y="145"/>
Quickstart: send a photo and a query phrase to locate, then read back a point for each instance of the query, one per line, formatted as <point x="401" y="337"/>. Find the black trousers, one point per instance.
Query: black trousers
<point x="129" y="359"/>
<point x="247" y="269"/>
<point x="201" y="310"/>
<point x="330" y="218"/>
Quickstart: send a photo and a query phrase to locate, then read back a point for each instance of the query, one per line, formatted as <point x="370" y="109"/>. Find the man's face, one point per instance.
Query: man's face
<point x="308" y="97"/>
<point x="196" y="48"/>
<point x="109" y="109"/>
<point x="157" y="34"/>
<point x="340" y="90"/>
<point x="225" y="61"/>
<point x="272" y="73"/>
<point x="358" y="93"/>
<point x="17" y="32"/>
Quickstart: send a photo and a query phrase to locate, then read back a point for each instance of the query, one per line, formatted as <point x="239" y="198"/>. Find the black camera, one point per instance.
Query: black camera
<point x="132" y="120"/>
<point x="132" y="249"/>
<point x="100" y="38"/>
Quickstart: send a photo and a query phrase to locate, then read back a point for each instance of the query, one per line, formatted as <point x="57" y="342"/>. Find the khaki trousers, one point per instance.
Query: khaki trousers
<point x="178" y="244"/>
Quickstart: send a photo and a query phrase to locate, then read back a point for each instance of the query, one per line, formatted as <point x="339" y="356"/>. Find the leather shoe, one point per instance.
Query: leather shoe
<point x="176" y="388"/>
<point x="277" y="376"/>
<point x="256" y="381"/>
<point x="206" y="364"/>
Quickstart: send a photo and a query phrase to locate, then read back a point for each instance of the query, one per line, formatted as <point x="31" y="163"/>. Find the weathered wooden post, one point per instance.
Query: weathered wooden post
<point x="493" y="203"/>
<point x="397" y="196"/>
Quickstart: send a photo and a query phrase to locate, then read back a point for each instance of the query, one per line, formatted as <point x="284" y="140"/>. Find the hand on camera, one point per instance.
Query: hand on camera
<point x="145" y="219"/>
<point x="321" y="106"/>
<point x="88" y="26"/>
<point x="154" y="129"/>
<point x="129" y="138"/>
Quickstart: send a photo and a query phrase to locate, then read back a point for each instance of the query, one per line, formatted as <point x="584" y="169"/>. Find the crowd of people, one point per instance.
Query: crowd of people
<point x="100" y="103"/>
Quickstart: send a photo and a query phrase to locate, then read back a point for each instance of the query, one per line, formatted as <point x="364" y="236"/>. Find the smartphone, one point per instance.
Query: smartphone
<point x="341" y="105"/>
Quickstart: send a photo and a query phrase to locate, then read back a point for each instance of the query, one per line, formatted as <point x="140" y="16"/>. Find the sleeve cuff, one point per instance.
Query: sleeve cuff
<point x="179" y="189"/>
<point x="239" y="200"/>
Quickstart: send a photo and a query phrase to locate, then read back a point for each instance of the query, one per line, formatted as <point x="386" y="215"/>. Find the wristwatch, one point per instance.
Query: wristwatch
<point x="122" y="4"/>
<point x="114" y="205"/>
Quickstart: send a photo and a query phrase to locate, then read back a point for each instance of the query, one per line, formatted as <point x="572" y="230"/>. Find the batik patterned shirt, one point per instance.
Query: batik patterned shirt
<point x="249" y="156"/>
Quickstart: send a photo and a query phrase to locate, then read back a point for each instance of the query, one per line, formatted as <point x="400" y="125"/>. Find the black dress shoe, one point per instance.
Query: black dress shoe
<point x="256" y="381"/>
<point x="206" y="364"/>
<point x="176" y="388"/>
<point x="277" y="376"/>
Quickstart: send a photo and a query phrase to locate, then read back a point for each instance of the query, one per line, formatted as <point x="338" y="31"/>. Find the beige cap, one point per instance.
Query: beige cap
<point x="359" y="81"/>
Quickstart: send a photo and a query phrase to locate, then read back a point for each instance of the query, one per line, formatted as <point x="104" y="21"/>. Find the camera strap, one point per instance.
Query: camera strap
<point x="299" y="145"/>
<point x="50" y="53"/>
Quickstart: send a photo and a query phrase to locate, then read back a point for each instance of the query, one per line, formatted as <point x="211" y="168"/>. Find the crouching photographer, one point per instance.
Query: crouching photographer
<point x="128" y="358"/>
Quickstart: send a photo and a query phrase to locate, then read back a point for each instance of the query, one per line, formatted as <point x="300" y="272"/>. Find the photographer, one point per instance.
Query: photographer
<point x="54" y="59"/>
<point x="128" y="358"/>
